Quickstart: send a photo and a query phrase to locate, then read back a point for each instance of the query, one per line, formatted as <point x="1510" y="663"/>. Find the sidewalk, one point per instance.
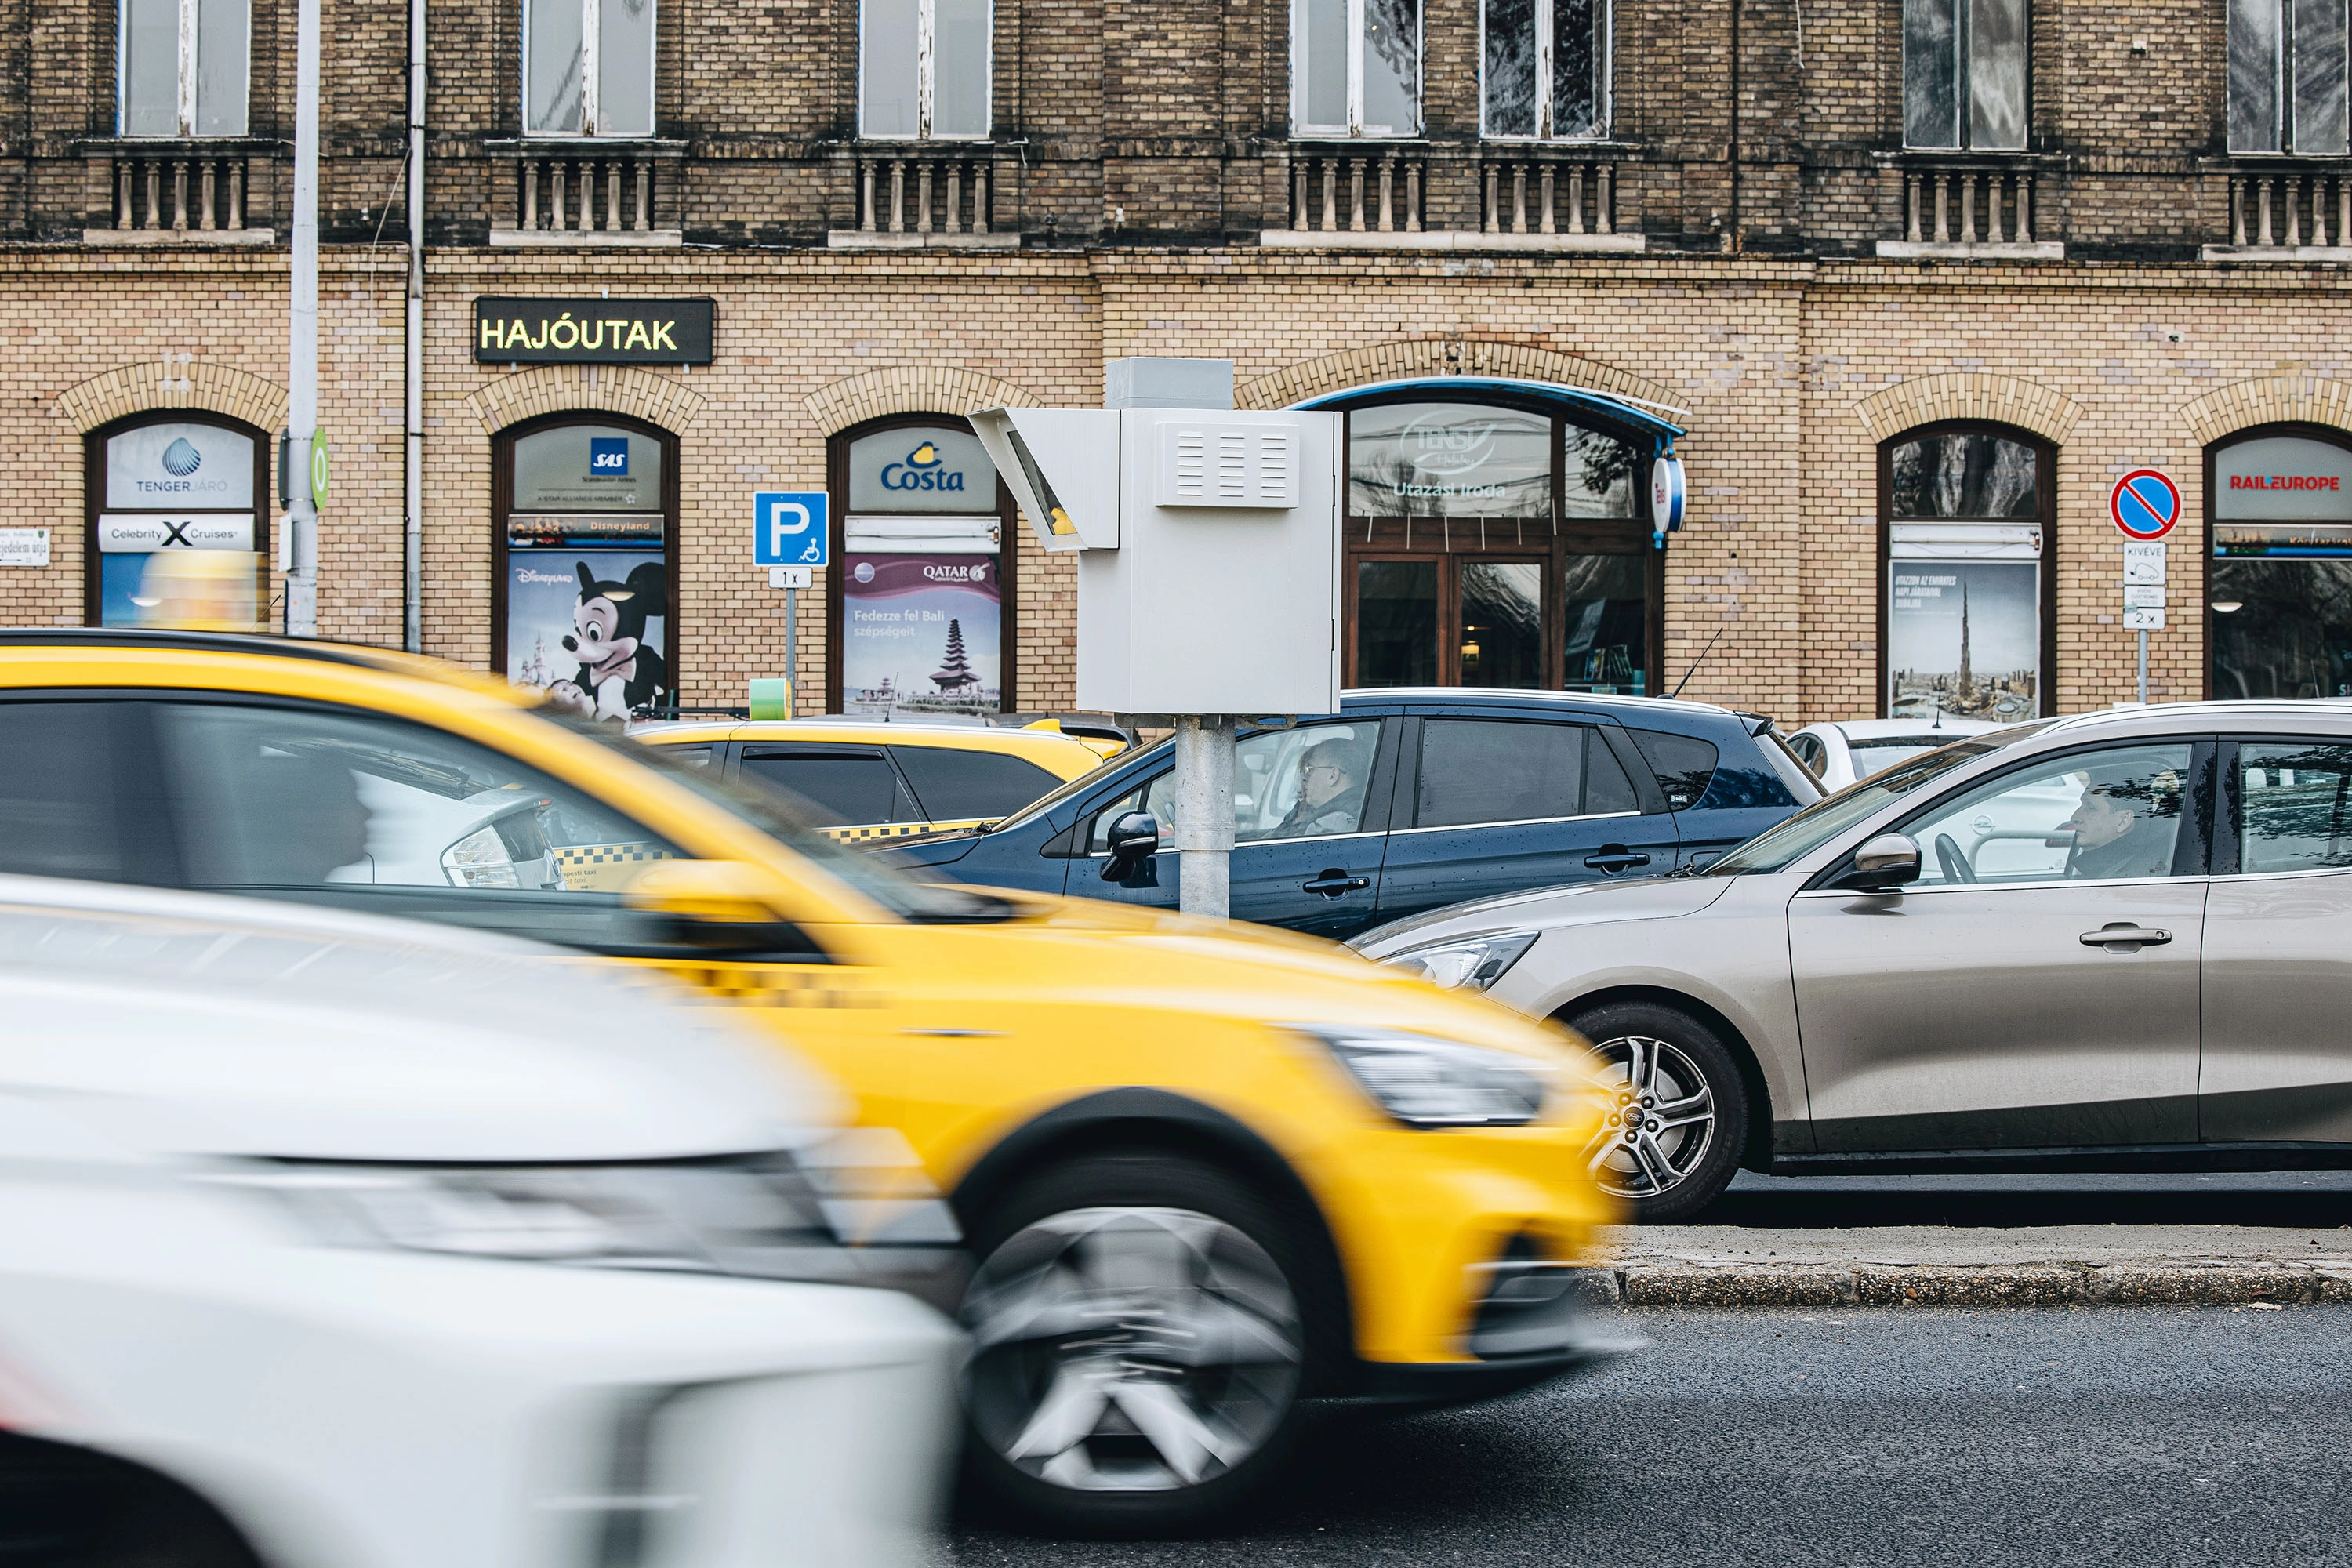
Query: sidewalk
<point x="2031" y="1266"/>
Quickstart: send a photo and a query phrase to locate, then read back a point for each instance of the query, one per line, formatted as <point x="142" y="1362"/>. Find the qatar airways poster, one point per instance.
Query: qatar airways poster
<point x="921" y="634"/>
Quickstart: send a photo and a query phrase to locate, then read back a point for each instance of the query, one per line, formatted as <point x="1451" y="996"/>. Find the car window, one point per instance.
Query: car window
<point x="2085" y="817"/>
<point x="1287" y="784"/>
<point x="953" y="784"/>
<point x="58" y="794"/>
<point x="692" y="756"/>
<point x="1684" y="764"/>
<point x="1876" y="756"/>
<point x="1810" y="751"/>
<point x="2294" y="806"/>
<point x="1490" y="769"/>
<point x="1808" y="829"/>
<point x="833" y="788"/>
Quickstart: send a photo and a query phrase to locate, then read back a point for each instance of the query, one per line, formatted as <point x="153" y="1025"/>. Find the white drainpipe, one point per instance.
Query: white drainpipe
<point x="413" y="541"/>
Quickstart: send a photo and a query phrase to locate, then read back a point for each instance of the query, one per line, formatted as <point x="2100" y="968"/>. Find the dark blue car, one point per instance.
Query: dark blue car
<point x="1407" y="800"/>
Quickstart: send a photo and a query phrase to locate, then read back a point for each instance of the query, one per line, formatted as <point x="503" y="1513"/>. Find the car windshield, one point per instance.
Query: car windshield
<point x="1824" y="819"/>
<point x="928" y="902"/>
<point x="1047" y="803"/>
<point x="1876" y="756"/>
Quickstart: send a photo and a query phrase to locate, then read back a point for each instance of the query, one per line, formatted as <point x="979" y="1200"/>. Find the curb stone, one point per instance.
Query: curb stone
<point x="2132" y="1284"/>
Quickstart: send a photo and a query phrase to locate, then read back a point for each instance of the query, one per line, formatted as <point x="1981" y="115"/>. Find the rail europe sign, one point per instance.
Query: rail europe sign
<point x="595" y="331"/>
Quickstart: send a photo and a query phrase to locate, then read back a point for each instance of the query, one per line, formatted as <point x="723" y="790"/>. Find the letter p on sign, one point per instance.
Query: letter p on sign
<point x="789" y="528"/>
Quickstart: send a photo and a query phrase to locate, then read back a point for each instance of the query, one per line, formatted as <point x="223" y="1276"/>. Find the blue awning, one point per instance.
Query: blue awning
<point x="1574" y="399"/>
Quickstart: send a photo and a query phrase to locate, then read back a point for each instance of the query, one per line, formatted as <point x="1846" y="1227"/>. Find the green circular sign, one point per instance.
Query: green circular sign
<point x="319" y="468"/>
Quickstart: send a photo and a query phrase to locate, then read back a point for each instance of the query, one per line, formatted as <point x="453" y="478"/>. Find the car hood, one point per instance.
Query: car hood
<point x="1581" y="903"/>
<point x="1087" y="952"/>
<point x="171" y="1024"/>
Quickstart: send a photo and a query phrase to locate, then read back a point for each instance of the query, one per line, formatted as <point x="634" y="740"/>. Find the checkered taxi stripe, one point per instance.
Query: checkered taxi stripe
<point x="602" y="867"/>
<point x="874" y="830"/>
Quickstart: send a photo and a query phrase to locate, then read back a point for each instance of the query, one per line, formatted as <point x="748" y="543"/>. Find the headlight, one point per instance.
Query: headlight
<point x="1475" y="961"/>
<point x="830" y="1213"/>
<point x="1424" y="1081"/>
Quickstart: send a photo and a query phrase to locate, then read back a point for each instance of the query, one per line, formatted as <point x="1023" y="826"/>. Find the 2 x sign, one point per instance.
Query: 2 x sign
<point x="595" y="331"/>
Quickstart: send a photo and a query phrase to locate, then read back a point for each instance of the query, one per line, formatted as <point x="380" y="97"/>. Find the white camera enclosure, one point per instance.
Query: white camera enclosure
<point x="1224" y="593"/>
<point x="1063" y="465"/>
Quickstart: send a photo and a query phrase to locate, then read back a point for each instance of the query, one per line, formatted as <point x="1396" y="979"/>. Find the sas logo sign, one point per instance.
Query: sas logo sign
<point x="924" y="469"/>
<point x="608" y="457"/>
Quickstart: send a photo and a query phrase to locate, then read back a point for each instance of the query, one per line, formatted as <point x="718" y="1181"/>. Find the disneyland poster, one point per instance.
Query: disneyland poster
<point x="589" y="627"/>
<point x="1964" y="637"/>
<point x="920" y="634"/>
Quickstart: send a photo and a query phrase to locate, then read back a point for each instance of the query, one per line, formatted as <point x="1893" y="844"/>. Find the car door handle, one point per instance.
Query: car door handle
<point x="1614" y="857"/>
<point x="1334" y="882"/>
<point x="2124" y="934"/>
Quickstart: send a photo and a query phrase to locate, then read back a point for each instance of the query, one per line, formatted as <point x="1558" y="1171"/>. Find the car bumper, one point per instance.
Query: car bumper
<point x="400" y="1411"/>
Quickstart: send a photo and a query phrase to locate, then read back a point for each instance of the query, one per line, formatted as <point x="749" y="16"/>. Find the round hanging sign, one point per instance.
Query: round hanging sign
<point x="1668" y="493"/>
<point x="2144" y="503"/>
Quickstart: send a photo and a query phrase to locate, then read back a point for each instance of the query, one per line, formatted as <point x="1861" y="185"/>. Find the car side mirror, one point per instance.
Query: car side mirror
<point x="1885" y="862"/>
<point x="1133" y="839"/>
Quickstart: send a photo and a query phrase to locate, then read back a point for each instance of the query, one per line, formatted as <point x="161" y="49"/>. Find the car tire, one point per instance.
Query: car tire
<point x="1138" y="1347"/>
<point x="1677" y="1158"/>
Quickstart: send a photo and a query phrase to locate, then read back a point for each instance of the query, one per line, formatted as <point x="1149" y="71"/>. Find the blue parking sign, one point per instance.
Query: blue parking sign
<point x="789" y="528"/>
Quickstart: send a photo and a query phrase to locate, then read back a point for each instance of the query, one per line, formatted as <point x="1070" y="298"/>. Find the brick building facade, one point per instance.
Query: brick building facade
<point x="1916" y="283"/>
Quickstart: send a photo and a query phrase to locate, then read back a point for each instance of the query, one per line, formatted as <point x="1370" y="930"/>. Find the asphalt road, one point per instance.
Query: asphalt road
<point x="2297" y="1198"/>
<point x="2148" y="1436"/>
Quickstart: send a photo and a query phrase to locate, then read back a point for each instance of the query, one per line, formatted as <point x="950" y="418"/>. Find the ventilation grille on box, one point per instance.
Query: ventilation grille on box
<point x="1228" y="466"/>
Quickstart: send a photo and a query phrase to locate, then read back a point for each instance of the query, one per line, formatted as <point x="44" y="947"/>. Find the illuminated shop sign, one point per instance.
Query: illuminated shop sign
<point x="595" y="331"/>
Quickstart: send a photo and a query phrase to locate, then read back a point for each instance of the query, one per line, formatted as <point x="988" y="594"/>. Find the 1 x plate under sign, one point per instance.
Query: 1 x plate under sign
<point x="792" y="576"/>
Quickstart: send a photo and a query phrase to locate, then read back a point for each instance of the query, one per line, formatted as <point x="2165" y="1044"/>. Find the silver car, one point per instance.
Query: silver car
<point x="2120" y="941"/>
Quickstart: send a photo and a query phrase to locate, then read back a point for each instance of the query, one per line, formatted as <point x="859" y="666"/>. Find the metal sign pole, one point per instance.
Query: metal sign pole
<point x="2143" y="667"/>
<point x="1204" y="814"/>
<point x="792" y="651"/>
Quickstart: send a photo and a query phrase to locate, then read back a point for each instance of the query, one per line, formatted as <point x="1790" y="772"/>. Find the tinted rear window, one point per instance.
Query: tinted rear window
<point x="1684" y="765"/>
<point x="834" y="788"/>
<point x="955" y="784"/>
<point x="58" y="801"/>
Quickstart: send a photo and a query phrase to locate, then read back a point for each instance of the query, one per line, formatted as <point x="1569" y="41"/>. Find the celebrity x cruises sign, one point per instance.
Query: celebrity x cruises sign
<point x="594" y="332"/>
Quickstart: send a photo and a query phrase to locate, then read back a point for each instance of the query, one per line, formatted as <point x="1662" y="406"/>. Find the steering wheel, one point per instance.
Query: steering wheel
<point x="1955" y="864"/>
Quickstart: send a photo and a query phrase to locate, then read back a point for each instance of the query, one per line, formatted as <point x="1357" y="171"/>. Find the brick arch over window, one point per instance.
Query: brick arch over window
<point x="1419" y="357"/>
<point x="911" y="389"/>
<point x="2269" y="400"/>
<point x="1970" y="396"/>
<point x="627" y="389"/>
<point x="154" y="385"/>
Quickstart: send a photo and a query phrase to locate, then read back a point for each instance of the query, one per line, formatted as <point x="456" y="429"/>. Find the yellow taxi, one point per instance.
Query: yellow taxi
<point x="862" y="780"/>
<point x="1205" y="1170"/>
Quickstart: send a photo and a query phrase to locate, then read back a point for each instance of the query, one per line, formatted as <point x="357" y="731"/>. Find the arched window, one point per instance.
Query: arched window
<point x="921" y="610"/>
<point x="177" y="523"/>
<point x="1966" y="528"/>
<point x="586" y="560"/>
<point x="1498" y="541"/>
<point x="2278" y="587"/>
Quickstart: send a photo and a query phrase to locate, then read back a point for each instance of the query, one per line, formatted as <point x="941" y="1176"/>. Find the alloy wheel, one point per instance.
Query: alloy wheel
<point x="1129" y="1349"/>
<point x="1663" y="1120"/>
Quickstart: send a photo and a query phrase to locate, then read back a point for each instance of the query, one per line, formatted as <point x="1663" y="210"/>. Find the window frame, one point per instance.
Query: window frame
<point x="2045" y="483"/>
<point x="1009" y="535"/>
<point x="185" y="75"/>
<point x="2327" y="433"/>
<point x="94" y="497"/>
<point x="1604" y="73"/>
<point x="502" y="458"/>
<point x="1303" y="130"/>
<point x="1504" y="539"/>
<point x="1962" y="31"/>
<point x="592" y="73"/>
<point x="927" y="79"/>
<point x="2283" y="87"/>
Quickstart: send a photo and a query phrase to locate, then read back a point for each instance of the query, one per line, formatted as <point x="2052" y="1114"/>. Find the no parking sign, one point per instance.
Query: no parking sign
<point x="2144" y="503"/>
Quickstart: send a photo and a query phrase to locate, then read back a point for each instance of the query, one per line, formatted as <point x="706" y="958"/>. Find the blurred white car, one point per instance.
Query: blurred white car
<point x="1839" y="753"/>
<point x="332" y="1241"/>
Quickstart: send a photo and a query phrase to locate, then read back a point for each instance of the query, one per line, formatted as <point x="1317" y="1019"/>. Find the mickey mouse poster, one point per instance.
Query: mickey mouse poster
<point x="589" y="627"/>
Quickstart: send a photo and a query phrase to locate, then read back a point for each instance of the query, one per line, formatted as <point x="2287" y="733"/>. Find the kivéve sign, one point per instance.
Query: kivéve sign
<point x="595" y="331"/>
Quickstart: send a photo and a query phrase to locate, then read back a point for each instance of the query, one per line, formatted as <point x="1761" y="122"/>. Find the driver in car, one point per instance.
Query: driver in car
<point x="2116" y="831"/>
<point x="1327" y="792"/>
